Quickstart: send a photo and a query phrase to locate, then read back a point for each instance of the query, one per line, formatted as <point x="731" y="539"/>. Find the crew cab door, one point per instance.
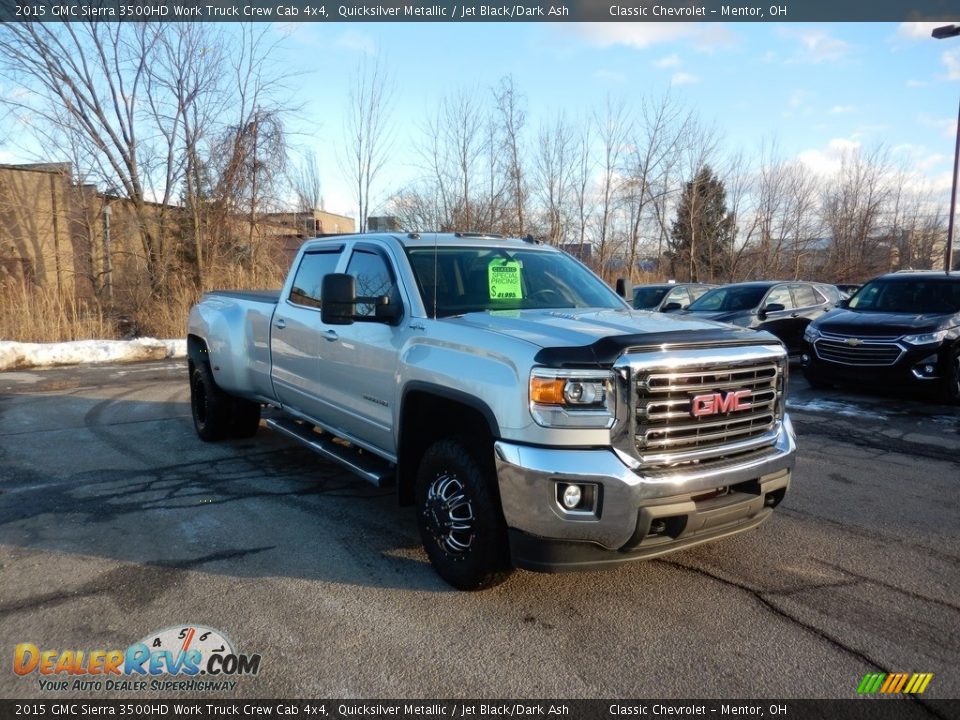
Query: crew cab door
<point x="361" y="360"/>
<point x="297" y="348"/>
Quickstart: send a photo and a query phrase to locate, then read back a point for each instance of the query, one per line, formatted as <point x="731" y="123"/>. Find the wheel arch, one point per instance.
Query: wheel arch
<point x="429" y="413"/>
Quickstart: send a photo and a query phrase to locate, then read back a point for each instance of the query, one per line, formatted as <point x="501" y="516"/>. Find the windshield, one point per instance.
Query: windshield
<point x="729" y="298"/>
<point x="648" y="297"/>
<point x="474" y="279"/>
<point x="916" y="297"/>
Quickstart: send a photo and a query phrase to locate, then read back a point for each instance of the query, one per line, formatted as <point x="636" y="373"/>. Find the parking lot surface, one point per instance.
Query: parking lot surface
<point x="117" y="522"/>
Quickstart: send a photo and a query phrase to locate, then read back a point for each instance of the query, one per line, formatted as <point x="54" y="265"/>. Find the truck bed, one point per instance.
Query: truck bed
<point x="265" y="296"/>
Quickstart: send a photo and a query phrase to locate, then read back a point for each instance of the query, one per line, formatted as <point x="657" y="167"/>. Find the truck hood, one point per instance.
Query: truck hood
<point x="599" y="336"/>
<point x="866" y="324"/>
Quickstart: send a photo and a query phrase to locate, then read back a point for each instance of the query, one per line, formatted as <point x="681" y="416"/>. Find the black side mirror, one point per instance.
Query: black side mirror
<point x="771" y="308"/>
<point x="671" y="307"/>
<point x="340" y="300"/>
<point x="844" y="302"/>
<point x="623" y="287"/>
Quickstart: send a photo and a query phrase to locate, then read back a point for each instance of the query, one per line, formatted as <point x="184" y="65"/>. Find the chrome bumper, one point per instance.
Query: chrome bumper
<point x="629" y="500"/>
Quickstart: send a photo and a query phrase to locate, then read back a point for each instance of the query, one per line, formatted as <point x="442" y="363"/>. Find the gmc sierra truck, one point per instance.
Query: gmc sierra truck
<point x="531" y="416"/>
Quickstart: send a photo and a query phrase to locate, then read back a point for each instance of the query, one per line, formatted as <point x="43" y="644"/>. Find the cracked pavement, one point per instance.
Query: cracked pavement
<point x="115" y="521"/>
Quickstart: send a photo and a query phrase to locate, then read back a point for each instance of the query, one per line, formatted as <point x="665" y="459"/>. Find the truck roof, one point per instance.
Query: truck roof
<point x="444" y="239"/>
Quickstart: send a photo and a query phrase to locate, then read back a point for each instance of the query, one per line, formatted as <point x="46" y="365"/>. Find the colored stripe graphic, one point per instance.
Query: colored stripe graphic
<point x="894" y="683"/>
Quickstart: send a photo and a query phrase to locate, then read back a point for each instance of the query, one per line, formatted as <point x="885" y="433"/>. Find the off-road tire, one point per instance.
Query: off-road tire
<point x="211" y="407"/>
<point x="459" y="516"/>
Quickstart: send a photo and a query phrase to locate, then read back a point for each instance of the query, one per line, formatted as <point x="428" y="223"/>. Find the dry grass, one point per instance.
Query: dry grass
<point x="168" y="318"/>
<point x="37" y="314"/>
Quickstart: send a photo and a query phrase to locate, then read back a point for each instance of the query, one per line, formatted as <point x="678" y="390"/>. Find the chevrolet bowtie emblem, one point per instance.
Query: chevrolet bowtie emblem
<point x="853" y="342"/>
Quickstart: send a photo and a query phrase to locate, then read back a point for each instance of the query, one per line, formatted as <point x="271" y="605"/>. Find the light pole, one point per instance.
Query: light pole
<point x="948" y="31"/>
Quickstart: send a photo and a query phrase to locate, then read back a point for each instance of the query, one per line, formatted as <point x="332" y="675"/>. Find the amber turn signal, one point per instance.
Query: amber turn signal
<point x="547" y="391"/>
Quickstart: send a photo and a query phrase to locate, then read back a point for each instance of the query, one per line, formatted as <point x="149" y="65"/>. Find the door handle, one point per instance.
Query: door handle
<point x="280" y="324"/>
<point x="795" y="315"/>
<point x="331" y="335"/>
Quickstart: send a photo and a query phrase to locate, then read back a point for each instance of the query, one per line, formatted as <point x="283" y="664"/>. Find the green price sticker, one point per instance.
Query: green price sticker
<point x="504" y="280"/>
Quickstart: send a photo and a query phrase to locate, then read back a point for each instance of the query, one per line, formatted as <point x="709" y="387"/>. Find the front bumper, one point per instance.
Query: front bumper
<point x="910" y="367"/>
<point x="636" y="515"/>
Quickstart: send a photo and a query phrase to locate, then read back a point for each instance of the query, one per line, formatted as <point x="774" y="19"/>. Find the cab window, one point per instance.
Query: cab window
<point x="306" y="290"/>
<point x="372" y="277"/>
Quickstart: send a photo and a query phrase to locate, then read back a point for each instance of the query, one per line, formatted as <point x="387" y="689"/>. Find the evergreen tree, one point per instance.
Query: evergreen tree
<point x="701" y="237"/>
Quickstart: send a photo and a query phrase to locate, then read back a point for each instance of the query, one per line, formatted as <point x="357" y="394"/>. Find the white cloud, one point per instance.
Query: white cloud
<point x="682" y="78"/>
<point x="918" y="30"/>
<point x="703" y="36"/>
<point x="827" y="161"/>
<point x="668" y="62"/>
<point x="817" y="47"/>
<point x="917" y="83"/>
<point x="919" y="157"/>
<point x="357" y="42"/>
<point x="951" y="60"/>
<point x="947" y="127"/>
<point x="842" y="109"/>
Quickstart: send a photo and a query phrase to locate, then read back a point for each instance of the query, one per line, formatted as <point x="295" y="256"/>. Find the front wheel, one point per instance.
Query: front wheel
<point x="459" y="517"/>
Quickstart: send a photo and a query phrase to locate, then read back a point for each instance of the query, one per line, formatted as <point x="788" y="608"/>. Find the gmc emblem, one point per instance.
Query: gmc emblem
<point x="716" y="403"/>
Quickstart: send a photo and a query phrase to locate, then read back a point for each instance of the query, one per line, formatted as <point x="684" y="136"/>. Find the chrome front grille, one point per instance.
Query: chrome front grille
<point x="668" y="430"/>
<point x="857" y="351"/>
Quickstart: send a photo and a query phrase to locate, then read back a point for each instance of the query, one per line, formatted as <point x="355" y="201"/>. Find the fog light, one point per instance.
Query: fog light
<point x="928" y="369"/>
<point x="571" y="496"/>
<point x="804" y="358"/>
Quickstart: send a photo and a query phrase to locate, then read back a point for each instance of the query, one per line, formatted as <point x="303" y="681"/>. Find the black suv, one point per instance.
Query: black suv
<point x="783" y="308"/>
<point x="898" y="328"/>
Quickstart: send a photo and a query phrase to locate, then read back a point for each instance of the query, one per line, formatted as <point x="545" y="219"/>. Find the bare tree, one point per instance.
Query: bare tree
<point x="613" y="129"/>
<point x="367" y="132"/>
<point x="306" y="182"/>
<point x="512" y="121"/>
<point x="553" y="177"/>
<point x="853" y="206"/>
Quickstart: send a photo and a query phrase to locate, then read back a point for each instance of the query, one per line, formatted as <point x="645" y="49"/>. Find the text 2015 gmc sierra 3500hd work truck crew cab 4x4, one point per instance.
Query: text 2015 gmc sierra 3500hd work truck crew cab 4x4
<point x="532" y="418"/>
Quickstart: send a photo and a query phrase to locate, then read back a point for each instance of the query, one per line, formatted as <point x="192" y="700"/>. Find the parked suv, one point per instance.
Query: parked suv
<point x="898" y="328"/>
<point x="667" y="297"/>
<point x="783" y="309"/>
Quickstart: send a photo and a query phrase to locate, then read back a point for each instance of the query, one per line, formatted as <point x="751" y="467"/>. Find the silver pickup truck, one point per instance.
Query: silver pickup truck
<point x="531" y="417"/>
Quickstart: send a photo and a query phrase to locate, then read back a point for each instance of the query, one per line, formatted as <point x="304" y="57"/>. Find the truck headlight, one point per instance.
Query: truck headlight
<point x="573" y="398"/>
<point x="925" y="338"/>
<point x="811" y="333"/>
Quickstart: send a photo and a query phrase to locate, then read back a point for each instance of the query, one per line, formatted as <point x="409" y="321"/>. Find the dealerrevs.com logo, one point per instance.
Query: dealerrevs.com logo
<point x="186" y="658"/>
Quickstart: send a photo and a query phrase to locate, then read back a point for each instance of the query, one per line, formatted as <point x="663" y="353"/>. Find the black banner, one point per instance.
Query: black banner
<point x="473" y="11"/>
<point x="901" y="708"/>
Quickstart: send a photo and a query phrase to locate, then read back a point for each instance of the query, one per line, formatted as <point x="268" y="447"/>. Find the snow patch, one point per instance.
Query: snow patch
<point x="23" y="355"/>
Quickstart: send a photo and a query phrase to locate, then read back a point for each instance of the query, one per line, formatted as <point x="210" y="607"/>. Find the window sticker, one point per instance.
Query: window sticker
<point x="504" y="279"/>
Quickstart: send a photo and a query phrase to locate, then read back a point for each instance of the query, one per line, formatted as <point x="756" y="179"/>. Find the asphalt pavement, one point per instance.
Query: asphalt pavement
<point x="116" y="522"/>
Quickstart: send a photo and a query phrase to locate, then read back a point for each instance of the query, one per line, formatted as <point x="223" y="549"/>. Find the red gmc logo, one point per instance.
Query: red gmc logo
<point x="716" y="403"/>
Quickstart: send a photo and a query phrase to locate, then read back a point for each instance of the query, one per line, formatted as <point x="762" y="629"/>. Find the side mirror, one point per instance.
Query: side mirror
<point x="771" y="308"/>
<point x="845" y="302"/>
<point x="340" y="300"/>
<point x="623" y="288"/>
<point x="339" y="294"/>
<point x="671" y="307"/>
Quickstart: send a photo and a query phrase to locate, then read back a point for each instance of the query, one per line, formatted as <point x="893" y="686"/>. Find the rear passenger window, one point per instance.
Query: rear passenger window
<point x="309" y="277"/>
<point x="804" y="296"/>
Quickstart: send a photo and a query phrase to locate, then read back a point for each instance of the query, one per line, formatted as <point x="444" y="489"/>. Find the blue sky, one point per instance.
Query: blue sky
<point x="814" y="89"/>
